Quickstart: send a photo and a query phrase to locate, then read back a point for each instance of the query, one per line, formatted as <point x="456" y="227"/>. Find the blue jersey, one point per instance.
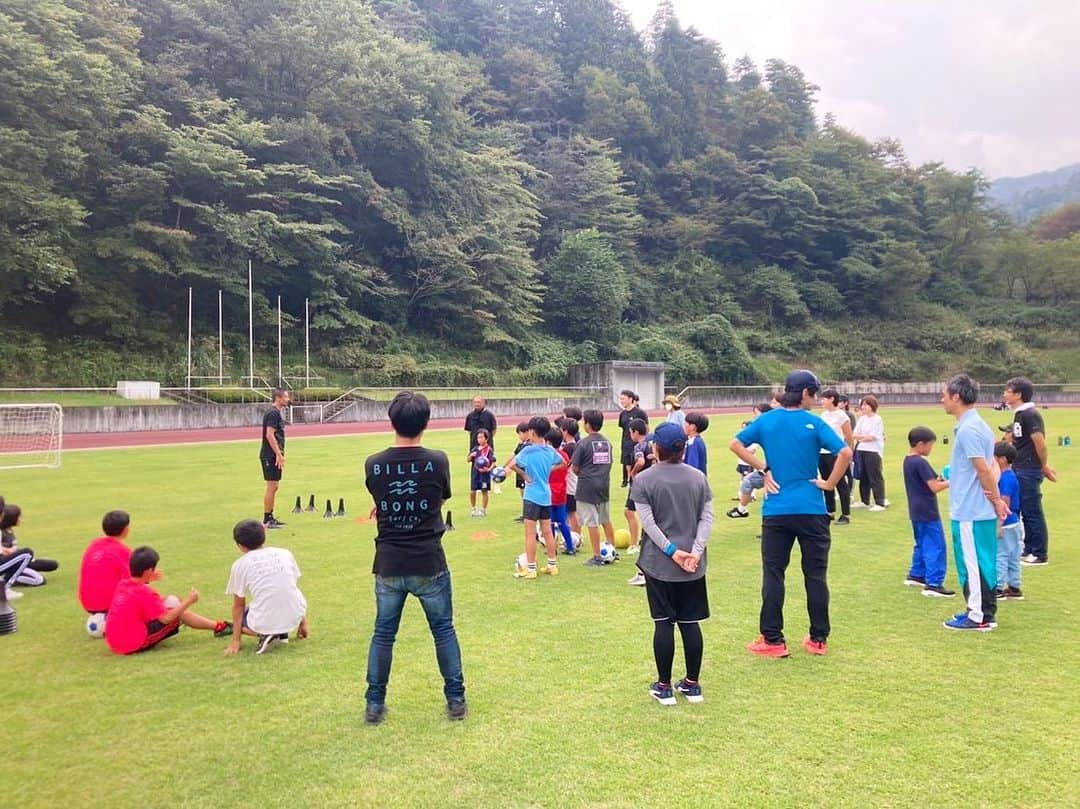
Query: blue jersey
<point x="1009" y="486"/>
<point x="536" y="461"/>
<point x="792" y="440"/>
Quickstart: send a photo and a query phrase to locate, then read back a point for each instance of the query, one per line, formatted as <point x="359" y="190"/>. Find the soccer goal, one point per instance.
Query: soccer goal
<point x="31" y="435"/>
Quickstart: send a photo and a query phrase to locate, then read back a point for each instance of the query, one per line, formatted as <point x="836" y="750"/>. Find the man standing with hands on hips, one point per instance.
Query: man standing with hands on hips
<point x="793" y="439"/>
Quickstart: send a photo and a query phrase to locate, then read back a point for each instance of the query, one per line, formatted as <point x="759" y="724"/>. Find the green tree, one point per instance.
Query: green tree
<point x="586" y="269"/>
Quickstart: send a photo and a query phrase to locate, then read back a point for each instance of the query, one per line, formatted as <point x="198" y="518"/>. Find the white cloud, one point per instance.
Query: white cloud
<point x="990" y="84"/>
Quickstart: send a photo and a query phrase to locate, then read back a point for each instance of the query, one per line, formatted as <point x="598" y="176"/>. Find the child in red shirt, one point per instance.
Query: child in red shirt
<point x="557" y="481"/>
<point x="104" y="563"/>
<point x="139" y="618"/>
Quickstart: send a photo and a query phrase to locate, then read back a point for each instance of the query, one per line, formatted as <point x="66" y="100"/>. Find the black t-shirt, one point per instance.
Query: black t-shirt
<point x="275" y="422"/>
<point x="477" y="420"/>
<point x="409" y="485"/>
<point x="922" y="503"/>
<point x="1025" y="424"/>
<point x="627" y="416"/>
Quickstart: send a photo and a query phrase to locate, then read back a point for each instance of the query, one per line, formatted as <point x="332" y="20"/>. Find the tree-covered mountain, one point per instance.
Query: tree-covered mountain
<point x="1025" y="198"/>
<point x="473" y="192"/>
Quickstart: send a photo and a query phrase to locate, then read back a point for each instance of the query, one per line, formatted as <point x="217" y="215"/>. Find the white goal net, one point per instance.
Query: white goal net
<point x="31" y="435"/>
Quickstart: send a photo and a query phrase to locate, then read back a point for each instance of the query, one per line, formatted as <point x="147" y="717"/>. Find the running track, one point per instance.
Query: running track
<point x="150" y="438"/>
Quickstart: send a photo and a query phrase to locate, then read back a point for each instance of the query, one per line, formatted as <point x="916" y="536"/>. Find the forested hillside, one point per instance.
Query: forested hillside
<point x="1028" y="197"/>
<point x="477" y="191"/>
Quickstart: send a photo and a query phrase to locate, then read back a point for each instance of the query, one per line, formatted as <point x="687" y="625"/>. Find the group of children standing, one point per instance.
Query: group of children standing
<point x="115" y="581"/>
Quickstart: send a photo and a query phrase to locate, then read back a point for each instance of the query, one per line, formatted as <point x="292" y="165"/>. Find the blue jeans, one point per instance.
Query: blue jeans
<point x="435" y="597"/>
<point x="1008" y="555"/>
<point x="1036" y="537"/>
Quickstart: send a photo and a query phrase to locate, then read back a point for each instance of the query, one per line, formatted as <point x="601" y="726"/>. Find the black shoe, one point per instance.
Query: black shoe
<point x="374" y="714"/>
<point x="223" y="630"/>
<point x="625" y="484"/>
<point x="264" y="644"/>
<point x="274" y="522"/>
<point x="456" y="710"/>
<point x="1011" y="594"/>
<point x="843" y="520"/>
<point x="735" y="514"/>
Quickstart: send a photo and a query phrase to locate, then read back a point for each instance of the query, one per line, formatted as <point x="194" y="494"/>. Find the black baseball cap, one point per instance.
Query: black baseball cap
<point x="798" y="381"/>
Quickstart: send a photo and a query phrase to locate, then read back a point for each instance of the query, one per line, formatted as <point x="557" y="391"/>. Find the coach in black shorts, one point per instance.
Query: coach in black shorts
<point x="628" y="401"/>
<point x="272" y="454"/>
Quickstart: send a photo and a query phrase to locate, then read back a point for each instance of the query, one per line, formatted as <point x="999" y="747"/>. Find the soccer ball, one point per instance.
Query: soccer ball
<point x="498" y="474"/>
<point x="622" y="538"/>
<point x="608" y="553"/>
<point x="482" y="463"/>
<point x="95" y="625"/>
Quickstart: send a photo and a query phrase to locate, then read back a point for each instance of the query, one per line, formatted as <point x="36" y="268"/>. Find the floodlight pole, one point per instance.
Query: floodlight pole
<point x="307" y="345"/>
<point x="189" y="338"/>
<point x="220" y="341"/>
<point x="280" y="381"/>
<point x="251" y="331"/>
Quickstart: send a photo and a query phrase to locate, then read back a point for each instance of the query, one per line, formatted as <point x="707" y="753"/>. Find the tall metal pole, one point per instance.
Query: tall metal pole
<point x="251" y="331"/>
<point x="189" y="338"/>
<point x="280" y="381"/>
<point x="307" y="345"/>
<point x="220" y="342"/>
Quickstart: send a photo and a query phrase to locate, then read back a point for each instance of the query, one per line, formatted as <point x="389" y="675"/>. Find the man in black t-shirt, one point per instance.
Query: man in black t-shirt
<point x="628" y="401"/>
<point x="480" y="418"/>
<point x="272" y="454"/>
<point x="409" y="485"/>
<point x="1028" y="436"/>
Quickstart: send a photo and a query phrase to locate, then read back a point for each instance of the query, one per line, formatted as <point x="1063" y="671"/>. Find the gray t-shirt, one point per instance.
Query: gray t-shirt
<point x="677" y="495"/>
<point x="593" y="454"/>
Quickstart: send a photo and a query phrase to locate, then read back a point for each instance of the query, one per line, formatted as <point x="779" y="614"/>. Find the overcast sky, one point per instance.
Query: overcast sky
<point x="993" y="84"/>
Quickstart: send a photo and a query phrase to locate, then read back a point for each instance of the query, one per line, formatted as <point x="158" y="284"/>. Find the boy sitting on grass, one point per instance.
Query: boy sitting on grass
<point x="269" y="576"/>
<point x="105" y="563"/>
<point x="139" y="619"/>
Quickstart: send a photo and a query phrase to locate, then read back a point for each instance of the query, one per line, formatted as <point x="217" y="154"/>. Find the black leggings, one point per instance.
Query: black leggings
<point x="664" y="649"/>
<point x="826" y="463"/>
<point x="871" y="478"/>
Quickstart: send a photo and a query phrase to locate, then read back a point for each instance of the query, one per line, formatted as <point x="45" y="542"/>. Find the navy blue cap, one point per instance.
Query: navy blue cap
<point x="668" y="436"/>
<point x="798" y="381"/>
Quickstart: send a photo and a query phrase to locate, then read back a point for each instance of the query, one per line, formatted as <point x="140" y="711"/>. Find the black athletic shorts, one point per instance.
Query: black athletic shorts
<point x="156" y="632"/>
<point x="682" y="602"/>
<point x="628" y="455"/>
<point x="532" y="511"/>
<point x="571" y="504"/>
<point x="270" y="469"/>
<point x="481" y="481"/>
<point x="630" y="505"/>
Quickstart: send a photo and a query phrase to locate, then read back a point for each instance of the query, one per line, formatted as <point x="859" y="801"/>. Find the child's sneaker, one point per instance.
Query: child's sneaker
<point x="764" y="649"/>
<point x="483" y="512"/>
<point x="637" y="580"/>
<point x="264" y="644"/>
<point x="1011" y="594"/>
<point x="860" y="504"/>
<point x="814" y="647"/>
<point x="475" y="512"/>
<point x="594" y="561"/>
<point x="525" y="573"/>
<point x="963" y="623"/>
<point x="735" y="513"/>
<point x="937" y="591"/>
<point x="549" y="570"/>
<point x="633" y="550"/>
<point x="876" y="507"/>
<point x="662" y="693"/>
<point x="690" y="690"/>
<point x="222" y="629"/>
<point x="915" y="581"/>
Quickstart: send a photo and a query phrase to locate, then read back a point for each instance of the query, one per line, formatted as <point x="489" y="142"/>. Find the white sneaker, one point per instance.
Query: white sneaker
<point x="637" y="580"/>
<point x="13" y="594"/>
<point x="886" y="504"/>
<point x="876" y="507"/>
<point x="633" y="550"/>
<point x="482" y="512"/>
<point x="858" y="504"/>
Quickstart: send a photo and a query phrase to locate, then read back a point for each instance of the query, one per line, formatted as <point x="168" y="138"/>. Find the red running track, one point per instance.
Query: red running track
<point x="150" y="438"/>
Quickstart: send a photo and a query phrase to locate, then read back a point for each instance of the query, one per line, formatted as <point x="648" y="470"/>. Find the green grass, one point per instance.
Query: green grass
<point x="77" y="399"/>
<point x="900" y="713"/>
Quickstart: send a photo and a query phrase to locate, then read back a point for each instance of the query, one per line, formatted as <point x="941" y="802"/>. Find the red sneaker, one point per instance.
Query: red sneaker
<point x="814" y="647"/>
<point x="760" y="647"/>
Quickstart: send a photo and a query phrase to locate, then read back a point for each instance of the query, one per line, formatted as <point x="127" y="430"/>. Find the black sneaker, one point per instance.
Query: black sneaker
<point x="264" y="644"/>
<point x="1011" y="594"/>
<point x="915" y="581"/>
<point x="223" y="629"/>
<point x="843" y="520"/>
<point x="735" y="514"/>
<point x="937" y="591"/>
<point x="594" y="561"/>
<point x="374" y="713"/>
<point x="274" y="522"/>
<point x="456" y="710"/>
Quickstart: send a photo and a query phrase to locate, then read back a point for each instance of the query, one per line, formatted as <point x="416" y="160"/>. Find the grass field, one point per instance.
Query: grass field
<point x="900" y="713"/>
<point x="72" y="399"/>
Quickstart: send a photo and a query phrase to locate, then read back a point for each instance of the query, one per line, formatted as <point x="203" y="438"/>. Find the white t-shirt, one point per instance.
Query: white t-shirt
<point x="267" y="577"/>
<point x="871" y="425"/>
<point x="836" y="419"/>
